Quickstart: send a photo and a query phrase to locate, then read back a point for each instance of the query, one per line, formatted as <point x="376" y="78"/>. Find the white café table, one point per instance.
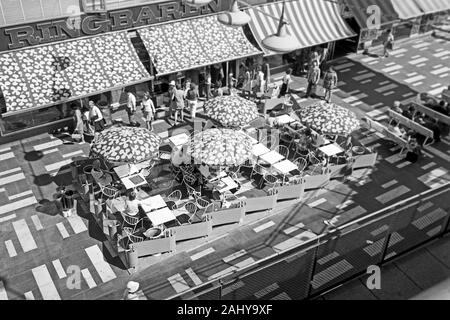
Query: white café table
<point x="160" y="216"/>
<point x="179" y="140"/>
<point x="153" y="203"/>
<point x="133" y="181"/>
<point x="331" y="149"/>
<point x="229" y="184"/>
<point x="284" y="119"/>
<point x="128" y="169"/>
<point x="285" y="166"/>
<point x="272" y="157"/>
<point x="259" y="149"/>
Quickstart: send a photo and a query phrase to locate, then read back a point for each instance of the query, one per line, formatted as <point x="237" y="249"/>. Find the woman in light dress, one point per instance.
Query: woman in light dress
<point x="148" y="109"/>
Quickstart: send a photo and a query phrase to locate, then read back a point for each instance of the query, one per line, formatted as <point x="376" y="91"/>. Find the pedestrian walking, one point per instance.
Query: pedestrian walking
<point x="148" y="109"/>
<point x="178" y="103"/>
<point x="266" y="71"/>
<point x="171" y="93"/>
<point x="208" y="84"/>
<point x="313" y="79"/>
<point x="218" y="91"/>
<point x="323" y="59"/>
<point x="314" y="57"/>
<point x="286" y="83"/>
<point x="247" y="85"/>
<point x="96" y="117"/>
<point x="260" y="82"/>
<point x="131" y="108"/>
<point x="78" y="132"/>
<point x="192" y="99"/>
<point x="388" y="43"/>
<point x="329" y="83"/>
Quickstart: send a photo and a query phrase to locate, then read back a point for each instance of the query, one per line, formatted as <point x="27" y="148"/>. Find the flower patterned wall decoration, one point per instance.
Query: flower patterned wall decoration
<point x="126" y="144"/>
<point x="231" y="111"/>
<point x="192" y="43"/>
<point x="35" y="77"/>
<point x="329" y="118"/>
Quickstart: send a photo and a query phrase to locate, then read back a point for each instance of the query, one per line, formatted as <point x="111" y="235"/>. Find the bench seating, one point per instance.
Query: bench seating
<point x="416" y="127"/>
<point x="430" y="112"/>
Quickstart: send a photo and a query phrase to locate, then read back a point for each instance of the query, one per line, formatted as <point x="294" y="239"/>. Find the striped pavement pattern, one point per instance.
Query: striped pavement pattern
<point x="45" y="283"/>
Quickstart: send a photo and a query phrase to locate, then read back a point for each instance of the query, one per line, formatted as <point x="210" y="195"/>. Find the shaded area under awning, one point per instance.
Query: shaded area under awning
<point x="312" y="22"/>
<point x="193" y="43"/>
<point x="51" y="74"/>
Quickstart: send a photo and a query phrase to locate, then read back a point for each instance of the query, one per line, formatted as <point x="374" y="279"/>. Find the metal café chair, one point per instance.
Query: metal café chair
<point x="109" y="192"/>
<point x="174" y="197"/>
<point x="201" y="203"/>
<point x="186" y="218"/>
<point x="131" y="221"/>
<point x="283" y="150"/>
<point x="270" y="180"/>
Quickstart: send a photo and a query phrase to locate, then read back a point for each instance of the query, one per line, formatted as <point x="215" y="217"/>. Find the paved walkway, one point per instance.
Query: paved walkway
<point x="404" y="278"/>
<point x="38" y="246"/>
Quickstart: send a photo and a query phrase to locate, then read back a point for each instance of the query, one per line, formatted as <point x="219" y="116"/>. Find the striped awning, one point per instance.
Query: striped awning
<point x="406" y="9"/>
<point x="50" y="74"/>
<point x="194" y="43"/>
<point x="312" y="22"/>
<point x="363" y="11"/>
<point x="431" y="6"/>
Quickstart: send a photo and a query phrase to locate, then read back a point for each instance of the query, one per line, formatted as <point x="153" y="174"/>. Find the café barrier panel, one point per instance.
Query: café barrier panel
<point x="320" y="264"/>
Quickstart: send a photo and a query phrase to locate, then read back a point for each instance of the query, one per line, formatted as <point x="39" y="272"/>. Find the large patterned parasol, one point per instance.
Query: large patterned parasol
<point x="231" y="111"/>
<point x="329" y="118"/>
<point x="220" y="147"/>
<point x="126" y="145"/>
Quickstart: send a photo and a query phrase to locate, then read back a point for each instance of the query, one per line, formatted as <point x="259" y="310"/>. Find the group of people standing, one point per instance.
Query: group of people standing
<point x="316" y="67"/>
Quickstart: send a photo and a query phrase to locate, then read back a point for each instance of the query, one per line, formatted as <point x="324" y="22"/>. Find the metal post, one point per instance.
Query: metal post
<point x="313" y="269"/>
<point x="385" y="248"/>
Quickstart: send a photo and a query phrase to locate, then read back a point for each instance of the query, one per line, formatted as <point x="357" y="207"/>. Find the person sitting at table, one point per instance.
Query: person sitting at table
<point x="318" y="139"/>
<point x="397" y="107"/>
<point x="395" y="128"/>
<point x="98" y="173"/>
<point x="132" y="204"/>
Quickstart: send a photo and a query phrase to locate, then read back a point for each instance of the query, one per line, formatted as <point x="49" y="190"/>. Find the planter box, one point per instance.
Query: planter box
<point x="292" y="191"/>
<point x="155" y="246"/>
<point x="193" y="230"/>
<point x="229" y="215"/>
<point x="261" y="203"/>
<point x="317" y="181"/>
<point x="364" y="161"/>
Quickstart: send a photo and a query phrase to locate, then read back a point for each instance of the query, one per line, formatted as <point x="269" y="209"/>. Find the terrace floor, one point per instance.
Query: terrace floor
<point x="38" y="244"/>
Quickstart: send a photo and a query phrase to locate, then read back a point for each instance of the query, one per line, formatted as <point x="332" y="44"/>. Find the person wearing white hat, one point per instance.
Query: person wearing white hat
<point x="131" y="292"/>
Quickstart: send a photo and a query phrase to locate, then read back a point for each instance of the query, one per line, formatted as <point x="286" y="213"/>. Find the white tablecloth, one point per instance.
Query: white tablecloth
<point x="152" y="203"/>
<point x="285" y="166"/>
<point x="331" y="149"/>
<point x="161" y="216"/>
<point x="272" y="157"/>
<point x="259" y="149"/>
<point x="179" y="140"/>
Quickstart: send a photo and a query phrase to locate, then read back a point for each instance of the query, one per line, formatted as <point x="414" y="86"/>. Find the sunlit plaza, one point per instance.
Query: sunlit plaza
<point x="224" y="150"/>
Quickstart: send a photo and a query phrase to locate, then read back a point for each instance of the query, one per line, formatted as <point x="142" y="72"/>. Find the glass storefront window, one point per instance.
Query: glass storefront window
<point x="34" y="118"/>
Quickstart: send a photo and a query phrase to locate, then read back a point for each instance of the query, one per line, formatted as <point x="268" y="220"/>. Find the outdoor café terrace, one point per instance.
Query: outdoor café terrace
<point x="239" y="166"/>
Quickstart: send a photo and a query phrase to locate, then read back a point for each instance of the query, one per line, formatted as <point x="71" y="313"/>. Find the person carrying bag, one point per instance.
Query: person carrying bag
<point x="96" y="117"/>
